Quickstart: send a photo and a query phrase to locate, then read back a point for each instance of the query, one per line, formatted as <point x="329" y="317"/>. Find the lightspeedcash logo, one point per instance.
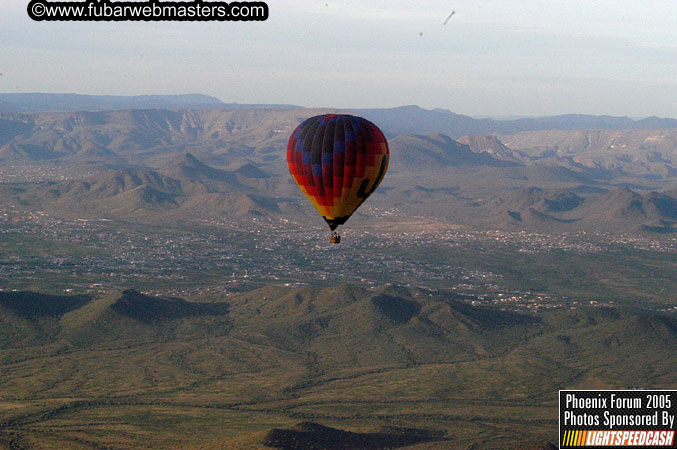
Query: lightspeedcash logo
<point x="618" y="439"/>
<point x="637" y="419"/>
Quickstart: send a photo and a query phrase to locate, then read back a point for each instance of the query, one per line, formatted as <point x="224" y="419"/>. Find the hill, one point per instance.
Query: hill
<point x="308" y="435"/>
<point x="654" y="211"/>
<point x="417" y="152"/>
<point x="199" y="177"/>
<point x="620" y="152"/>
<point x="31" y="319"/>
<point x="186" y="188"/>
<point x="618" y="210"/>
<point x="388" y="366"/>
<point x="112" y="193"/>
<point x="493" y="146"/>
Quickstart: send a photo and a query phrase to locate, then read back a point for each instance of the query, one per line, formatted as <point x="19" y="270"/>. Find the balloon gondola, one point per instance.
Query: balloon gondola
<point x="337" y="161"/>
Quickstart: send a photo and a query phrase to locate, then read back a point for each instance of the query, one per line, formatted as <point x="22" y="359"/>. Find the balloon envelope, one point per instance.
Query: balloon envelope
<point x="337" y="161"/>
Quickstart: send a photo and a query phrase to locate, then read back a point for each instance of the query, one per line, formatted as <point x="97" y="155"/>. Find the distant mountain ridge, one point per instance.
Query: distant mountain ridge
<point x="398" y="120"/>
<point x="237" y="135"/>
<point x="231" y="135"/>
<point x="39" y="102"/>
<point x="416" y="120"/>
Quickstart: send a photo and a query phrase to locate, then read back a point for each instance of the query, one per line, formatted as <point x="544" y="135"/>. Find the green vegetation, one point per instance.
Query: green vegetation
<point x="622" y="275"/>
<point x="97" y="203"/>
<point x="384" y="364"/>
<point x="20" y="245"/>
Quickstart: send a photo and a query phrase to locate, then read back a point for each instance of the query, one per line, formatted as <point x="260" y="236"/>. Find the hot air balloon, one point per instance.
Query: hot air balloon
<point x="337" y="161"/>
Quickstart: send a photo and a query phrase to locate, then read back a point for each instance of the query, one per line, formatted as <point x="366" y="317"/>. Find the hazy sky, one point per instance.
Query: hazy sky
<point x="494" y="57"/>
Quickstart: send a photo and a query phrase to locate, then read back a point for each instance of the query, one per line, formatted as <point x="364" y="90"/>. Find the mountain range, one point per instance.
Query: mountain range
<point x="77" y="102"/>
<point x="188" y="189"/>
<point x="196" y="163"/>
<point x="227" y="136"/>
<point x="185" y="188"/>
<point x="397" y="365"/>
<point x="405" y="119"/>
<point x="416" y="120"/>
<point x="223" y="137"/>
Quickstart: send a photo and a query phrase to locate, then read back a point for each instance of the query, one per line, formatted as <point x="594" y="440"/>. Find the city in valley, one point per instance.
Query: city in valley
<point x="219" y="257"/>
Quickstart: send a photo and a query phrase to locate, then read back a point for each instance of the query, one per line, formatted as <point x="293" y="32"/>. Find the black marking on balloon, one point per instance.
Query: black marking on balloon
<point x="335" y="222"/>
<point x="361" y="192"/>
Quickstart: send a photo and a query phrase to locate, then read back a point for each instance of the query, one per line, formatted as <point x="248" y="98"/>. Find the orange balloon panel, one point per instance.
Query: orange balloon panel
<point x="337" y="161"/>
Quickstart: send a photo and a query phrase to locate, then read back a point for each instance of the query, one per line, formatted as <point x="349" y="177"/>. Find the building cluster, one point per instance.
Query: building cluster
<point x="222" y="256"/>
